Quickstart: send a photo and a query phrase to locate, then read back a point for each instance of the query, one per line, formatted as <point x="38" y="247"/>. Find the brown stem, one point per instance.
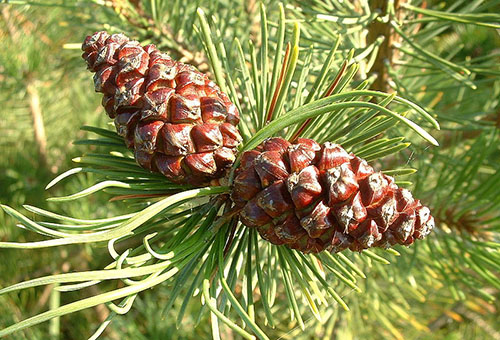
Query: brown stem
<point x="13" y="24"/>
<point x="251" y="9"/>
<point x="279" y="84"/>
<point x="42" y="300"/>
<point x="38" y="126"/>
<point x="336" y="81"/>
<point x="11" y="28"/>
<point x="387" y="54"/>
<point x="327" y="93"/>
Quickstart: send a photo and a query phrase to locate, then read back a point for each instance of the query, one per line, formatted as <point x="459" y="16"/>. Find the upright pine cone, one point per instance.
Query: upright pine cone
<point x="177" y="121"/>
<point x="313" y="197"/>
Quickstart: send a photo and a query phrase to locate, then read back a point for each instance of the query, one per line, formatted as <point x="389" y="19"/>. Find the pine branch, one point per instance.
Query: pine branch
<point x="178" y="235"/>
<point x="387" y="54"/>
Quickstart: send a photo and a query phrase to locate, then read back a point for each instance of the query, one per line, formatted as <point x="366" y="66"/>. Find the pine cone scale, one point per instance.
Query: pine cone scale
<point x="313" y="197"/>
<point x="177" y="121"/>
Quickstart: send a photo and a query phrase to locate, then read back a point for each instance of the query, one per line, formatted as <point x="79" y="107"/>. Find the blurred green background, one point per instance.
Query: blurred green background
<point x="43" y="76"/>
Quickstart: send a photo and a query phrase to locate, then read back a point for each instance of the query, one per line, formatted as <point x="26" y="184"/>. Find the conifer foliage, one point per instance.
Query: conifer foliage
<point x="303" y="127"/>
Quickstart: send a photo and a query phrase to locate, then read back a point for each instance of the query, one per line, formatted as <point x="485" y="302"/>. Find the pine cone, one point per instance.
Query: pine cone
<point x="314" y="197"/>
<point x="177" y="120"/>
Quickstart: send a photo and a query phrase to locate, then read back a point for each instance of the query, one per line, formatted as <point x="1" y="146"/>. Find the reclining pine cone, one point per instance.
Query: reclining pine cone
<point x="313" y="197"/>
<point x="178" y="121"/>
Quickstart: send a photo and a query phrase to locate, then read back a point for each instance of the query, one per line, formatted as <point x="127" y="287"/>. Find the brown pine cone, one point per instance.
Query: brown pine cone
<point x="314" y="197"/>
<point x="178" y="121"/>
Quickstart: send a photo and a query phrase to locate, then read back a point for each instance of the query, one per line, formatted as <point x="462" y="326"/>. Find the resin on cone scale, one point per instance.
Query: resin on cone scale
<point x="177" y="121"/>
<point x="314" y="197"/>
